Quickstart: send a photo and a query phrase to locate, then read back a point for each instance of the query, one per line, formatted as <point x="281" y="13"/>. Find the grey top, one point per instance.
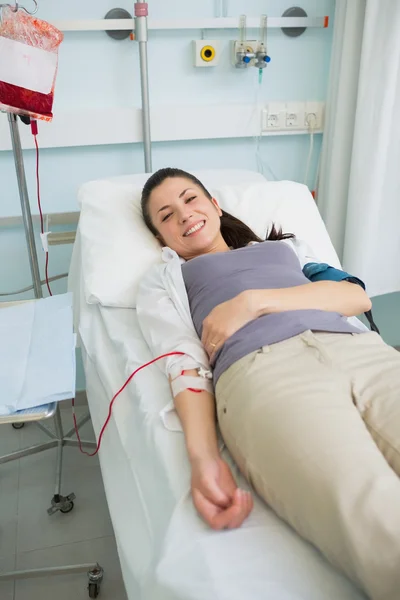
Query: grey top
<point x="211" y="279"/>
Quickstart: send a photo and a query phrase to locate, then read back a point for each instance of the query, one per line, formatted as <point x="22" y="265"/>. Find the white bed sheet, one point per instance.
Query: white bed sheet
<point x="166" y="552"/>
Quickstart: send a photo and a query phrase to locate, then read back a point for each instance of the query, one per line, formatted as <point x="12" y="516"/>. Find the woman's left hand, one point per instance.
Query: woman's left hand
<point x="225" y="320"/>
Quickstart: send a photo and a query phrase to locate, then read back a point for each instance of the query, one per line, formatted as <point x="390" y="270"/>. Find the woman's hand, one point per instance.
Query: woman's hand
<point x="216" y="496"/>
<point x="225" y="320"/>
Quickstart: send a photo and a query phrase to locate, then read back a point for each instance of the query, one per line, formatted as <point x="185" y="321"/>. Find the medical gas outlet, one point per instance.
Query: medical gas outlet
<point x="206" y="53"/>
<point x="249" y="53"/>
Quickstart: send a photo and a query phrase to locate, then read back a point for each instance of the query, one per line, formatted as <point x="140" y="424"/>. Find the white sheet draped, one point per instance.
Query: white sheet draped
<point x="359" y="194"/>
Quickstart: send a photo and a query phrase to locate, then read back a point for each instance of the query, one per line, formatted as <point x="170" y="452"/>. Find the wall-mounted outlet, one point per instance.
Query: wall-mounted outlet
<point x="206" y="53"/>
<point x="273" y="120"/>
<point x="294" y="117"/>
<point x="299" y="116"/>
<point x="249" y="46"/>
<point x="273" y="117"/>
<point x="314" y="115"/>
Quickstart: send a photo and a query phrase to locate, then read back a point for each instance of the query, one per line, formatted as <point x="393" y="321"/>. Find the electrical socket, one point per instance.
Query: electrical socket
<point x="314" y="114"/>
<point x="273" y="117"/>
<point x="273" y="120"/>
<point x="293" y="115"/>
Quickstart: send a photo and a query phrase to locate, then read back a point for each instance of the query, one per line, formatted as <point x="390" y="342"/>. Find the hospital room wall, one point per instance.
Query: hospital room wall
<point x="298" y="71"/>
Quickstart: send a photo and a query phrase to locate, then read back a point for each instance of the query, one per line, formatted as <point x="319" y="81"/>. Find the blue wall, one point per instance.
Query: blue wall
<point x="298" y="71"/>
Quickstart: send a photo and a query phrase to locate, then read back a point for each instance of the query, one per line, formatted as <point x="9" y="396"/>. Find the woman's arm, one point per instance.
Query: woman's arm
<point x="224" y="320"/>
<point x="343" y="297"/>
<point x="215" y="493"/>
<point x="196" y="412"/>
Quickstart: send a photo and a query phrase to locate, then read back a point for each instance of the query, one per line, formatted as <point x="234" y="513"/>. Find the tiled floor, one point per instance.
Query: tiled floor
<point x="29" y="538"/>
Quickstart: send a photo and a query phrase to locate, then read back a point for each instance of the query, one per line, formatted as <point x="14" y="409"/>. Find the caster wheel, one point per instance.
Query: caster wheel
<point x="67" y="507"/>
<point x="94" y="590"/>
<point x="95" y="578"/>
<point x="18" y="425"/>
<point x="62" y="503"/>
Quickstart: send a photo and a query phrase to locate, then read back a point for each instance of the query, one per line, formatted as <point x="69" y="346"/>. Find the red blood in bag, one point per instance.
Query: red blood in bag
<point x="26" y="100"/>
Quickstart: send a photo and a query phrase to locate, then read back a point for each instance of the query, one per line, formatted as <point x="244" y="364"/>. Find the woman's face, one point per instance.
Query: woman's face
<point x="186" y="220"/>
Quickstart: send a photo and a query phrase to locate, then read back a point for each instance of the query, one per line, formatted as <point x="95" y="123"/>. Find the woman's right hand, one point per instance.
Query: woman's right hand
<point x="216" y="496"/>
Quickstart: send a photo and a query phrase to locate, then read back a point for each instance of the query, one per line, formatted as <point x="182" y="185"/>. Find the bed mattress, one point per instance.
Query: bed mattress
<point x="166" y="551"/>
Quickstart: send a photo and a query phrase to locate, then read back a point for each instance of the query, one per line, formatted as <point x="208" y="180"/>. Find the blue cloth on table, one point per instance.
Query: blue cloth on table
<point x="37" y="353"/>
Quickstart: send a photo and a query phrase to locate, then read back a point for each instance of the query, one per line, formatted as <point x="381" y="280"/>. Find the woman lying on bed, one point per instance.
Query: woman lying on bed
<point x="307" y="400"/>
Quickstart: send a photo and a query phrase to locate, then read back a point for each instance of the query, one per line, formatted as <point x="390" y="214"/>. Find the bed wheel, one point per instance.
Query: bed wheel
<point x="67" y="507"/>
<point x="95" y="579"/>
<point x="94" y="590"/>
<point x="18" y="425"/>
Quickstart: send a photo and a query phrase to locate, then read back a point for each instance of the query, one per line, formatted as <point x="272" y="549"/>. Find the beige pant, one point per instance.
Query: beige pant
<point x="313" y="422"/>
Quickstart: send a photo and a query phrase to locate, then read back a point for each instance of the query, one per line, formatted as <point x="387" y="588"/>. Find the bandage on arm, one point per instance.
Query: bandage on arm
<point x="196" y="410"/>
<point x="186" y="380"/>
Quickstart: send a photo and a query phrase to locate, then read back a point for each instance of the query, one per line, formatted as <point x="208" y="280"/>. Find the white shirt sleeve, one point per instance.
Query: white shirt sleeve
<point x="166" y="331"/>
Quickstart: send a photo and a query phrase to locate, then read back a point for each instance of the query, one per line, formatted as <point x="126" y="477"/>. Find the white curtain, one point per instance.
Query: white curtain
<point x="359" y="189"/>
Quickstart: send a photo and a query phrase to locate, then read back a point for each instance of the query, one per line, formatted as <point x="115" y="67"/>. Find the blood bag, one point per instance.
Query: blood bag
<point x="28" y="64"/>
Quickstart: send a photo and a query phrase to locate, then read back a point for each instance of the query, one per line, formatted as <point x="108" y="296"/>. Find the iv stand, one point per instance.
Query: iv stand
<point x="59" y="440"/>
<point x="25" y="206"/>
<point x="141" y="29"/>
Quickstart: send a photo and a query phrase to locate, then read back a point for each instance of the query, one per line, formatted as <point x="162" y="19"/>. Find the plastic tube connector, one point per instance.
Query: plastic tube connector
<point x="267" y="59"/>
<point x="246" y="59"/>
<point x="34" y="127"/>
<point x="45" y="242"/>
<point x="141" y="9"/>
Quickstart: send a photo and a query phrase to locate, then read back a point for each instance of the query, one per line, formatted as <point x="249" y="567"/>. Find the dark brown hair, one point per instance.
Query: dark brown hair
<point x="235" y="233"/>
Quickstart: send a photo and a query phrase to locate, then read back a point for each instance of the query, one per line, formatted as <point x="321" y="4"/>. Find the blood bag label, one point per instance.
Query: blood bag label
<point x="26" y="66"/>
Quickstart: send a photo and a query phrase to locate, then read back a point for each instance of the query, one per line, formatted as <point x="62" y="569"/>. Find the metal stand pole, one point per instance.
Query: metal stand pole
<point x="58" y="502"/>
<point x="141" y="12"/>
<point x="25" y="206"/>
<point x="60" y="436"/>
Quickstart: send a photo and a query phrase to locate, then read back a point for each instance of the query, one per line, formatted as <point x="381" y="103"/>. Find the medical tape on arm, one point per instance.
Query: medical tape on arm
<point x="191" y="383"/>
<point x="183" y="363"/>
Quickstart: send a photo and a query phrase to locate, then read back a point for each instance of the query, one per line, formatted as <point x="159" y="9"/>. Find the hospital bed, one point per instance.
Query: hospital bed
<point x="166" y="551"/>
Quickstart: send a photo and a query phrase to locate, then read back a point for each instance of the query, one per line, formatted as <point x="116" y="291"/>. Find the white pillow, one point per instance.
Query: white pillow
<point x="287" y="204"/>
<point x="117" y="247"/>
